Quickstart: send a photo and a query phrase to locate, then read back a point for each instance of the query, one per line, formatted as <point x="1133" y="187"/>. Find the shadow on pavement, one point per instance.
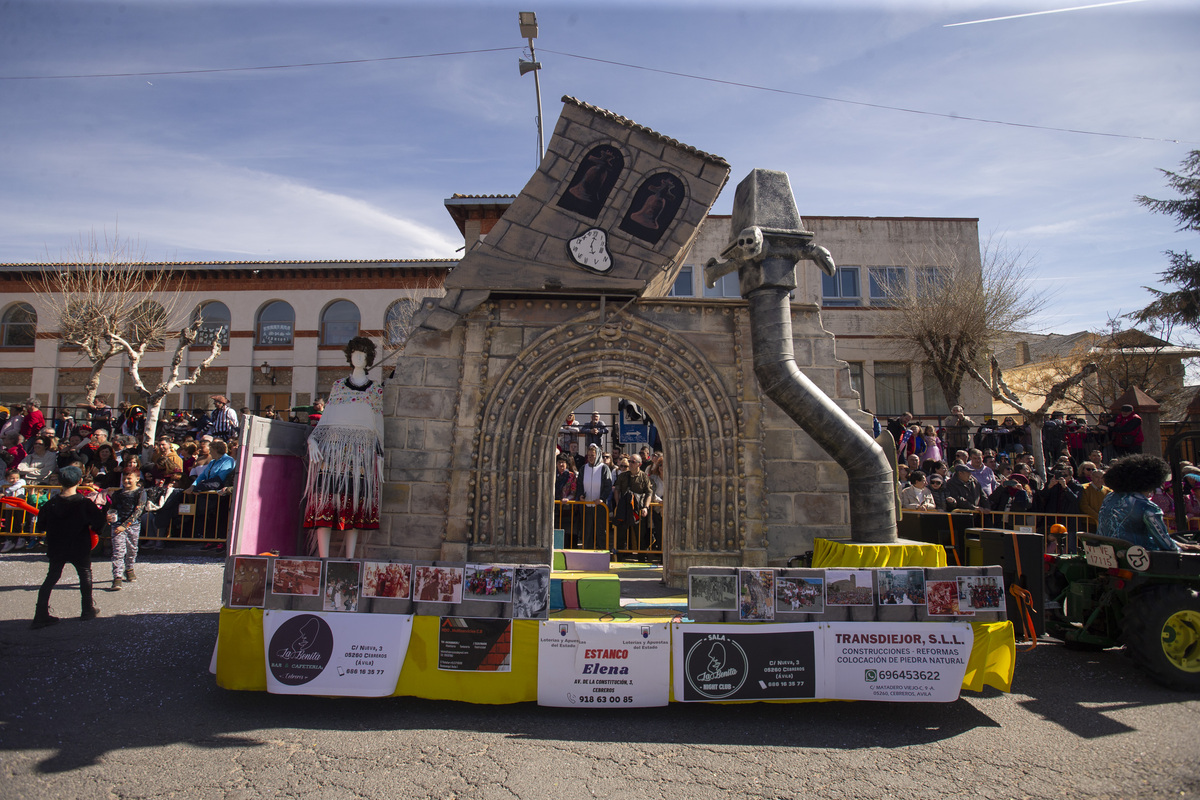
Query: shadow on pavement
<point x="1096" y="683"/>
<point x="79" y="690"/>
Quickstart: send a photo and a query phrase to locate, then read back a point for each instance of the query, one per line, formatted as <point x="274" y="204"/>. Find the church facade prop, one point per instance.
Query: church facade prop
<point x="564" y="301"/>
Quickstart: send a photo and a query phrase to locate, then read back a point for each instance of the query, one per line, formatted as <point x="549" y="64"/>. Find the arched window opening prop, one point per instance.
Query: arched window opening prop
<point x="654" y="207"/>
<point x="594" y="179"/>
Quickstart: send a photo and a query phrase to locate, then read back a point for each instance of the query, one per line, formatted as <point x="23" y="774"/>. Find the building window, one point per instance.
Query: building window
<point x="276" y="323"/>
<point x="856" y="378"/>
<point x="18" y="326"/>
<point x="339" y="323"/>
<point x="893" y="388"/>
<point x="841" y="288"/>
<point x="935" y="398"/>
<point x="930" y="280"/>
<point x="214" y="324"/>
<point x="398" y="321"/>
<point x="887" y="284"/>
<point x="727" y="286"/>
<point x="683" y="286"/>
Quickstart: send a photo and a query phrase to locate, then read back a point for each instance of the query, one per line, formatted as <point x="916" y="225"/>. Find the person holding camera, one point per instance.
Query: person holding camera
<point x="1060" y="496"/>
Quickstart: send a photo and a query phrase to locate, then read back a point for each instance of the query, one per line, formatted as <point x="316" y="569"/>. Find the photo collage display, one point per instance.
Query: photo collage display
<point x="766" y="595"/>
<point x="384" y="586"/>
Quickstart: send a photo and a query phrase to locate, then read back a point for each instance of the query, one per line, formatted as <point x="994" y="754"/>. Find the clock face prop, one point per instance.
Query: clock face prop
<point x="590" y="249"/>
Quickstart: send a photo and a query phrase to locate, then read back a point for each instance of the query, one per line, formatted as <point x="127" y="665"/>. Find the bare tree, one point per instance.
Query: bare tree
<point x="108" y="300"/>
<point x="136" y="351"/>
<point x="1123" y="357"/>
<point x="947" y="310"/>
<point x="1036" y="418"/>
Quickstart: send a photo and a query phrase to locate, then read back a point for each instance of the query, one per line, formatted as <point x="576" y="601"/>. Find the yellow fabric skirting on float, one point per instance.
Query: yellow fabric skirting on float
<point x="241" y="661"/>
<point x="241" y="652"/>
<point x="420" y="676"/>
<point x="993" y="657"/>
<point x="839" y="555"/>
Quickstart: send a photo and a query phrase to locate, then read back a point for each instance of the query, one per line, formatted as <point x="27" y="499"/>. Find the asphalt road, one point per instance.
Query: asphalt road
<point x="124" y="706"/>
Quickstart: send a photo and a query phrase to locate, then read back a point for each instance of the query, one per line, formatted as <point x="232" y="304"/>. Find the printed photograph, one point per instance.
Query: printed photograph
<point x="800" y="596"/>
<point x="980" y="592"/>
<point x="757" y="590"/>
<point x="849" y="587"/>
<point x="301" y="576"/>
<point x="712" y="592"/>
<point x="531" y="593"/>
<point x="488" y="582"/>
<point x="438" y="584"/>
<point x="383" y="579"/>
<point x="342" y="584"/>
<point x="249" y="588"/>
<point x="942" y="599"/>
<point x="900" y="587"/>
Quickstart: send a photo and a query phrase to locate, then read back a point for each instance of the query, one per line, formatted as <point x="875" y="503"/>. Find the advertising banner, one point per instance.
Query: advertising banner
<point x="885" y="661"/>
<point x="746" y="662"/>
<point x="351" y="655"/>
<point x="473" y="644"/>
<point x="603" y="665"/>
<point x="897" y="661"/>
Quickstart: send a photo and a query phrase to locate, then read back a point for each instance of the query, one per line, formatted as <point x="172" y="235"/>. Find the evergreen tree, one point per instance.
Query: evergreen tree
<point x="1180" y="305"/>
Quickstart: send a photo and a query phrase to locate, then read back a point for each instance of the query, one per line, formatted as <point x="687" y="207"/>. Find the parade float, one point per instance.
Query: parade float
<point x="463" y="592"/>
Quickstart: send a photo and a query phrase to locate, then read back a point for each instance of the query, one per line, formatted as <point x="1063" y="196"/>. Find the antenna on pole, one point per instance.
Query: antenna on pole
<point x="529" y="30"/>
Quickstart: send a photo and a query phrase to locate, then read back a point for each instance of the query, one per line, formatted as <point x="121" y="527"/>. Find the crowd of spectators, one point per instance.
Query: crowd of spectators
<point x="196" y="452"/>
<point x="991" y="468"/>
<point x="630" y="486"/>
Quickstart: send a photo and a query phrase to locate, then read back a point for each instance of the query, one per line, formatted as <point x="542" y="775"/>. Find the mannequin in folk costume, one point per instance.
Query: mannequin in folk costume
<point x="345" y="455"/>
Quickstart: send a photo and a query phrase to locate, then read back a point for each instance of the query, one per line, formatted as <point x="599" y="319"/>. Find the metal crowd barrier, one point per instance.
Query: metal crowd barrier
<point x="949" y="528"/>
<point x="589" y="526"/>
<point x="198" y="517"/>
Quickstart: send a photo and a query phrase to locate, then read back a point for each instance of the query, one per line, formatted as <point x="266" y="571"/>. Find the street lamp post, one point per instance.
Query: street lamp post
<point x="529" y="29"/>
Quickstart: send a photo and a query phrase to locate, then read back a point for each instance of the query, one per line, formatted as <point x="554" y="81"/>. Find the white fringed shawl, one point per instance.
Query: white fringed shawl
<point x="348" y="442"/>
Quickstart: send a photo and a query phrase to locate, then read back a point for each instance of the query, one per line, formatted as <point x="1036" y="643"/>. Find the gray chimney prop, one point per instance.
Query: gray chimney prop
<point x="772" y="240"/>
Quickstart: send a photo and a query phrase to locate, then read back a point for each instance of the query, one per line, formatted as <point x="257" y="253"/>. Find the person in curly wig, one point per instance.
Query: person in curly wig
<point x="345" y="455"/>
<point x="1128" y="513"/>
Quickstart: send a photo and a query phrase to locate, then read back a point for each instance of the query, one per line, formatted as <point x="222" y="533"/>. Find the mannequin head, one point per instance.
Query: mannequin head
<point x="360" y="344"/>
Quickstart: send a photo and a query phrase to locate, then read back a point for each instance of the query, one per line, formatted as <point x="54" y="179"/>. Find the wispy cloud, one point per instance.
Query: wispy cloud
<point x="183" y="207"/>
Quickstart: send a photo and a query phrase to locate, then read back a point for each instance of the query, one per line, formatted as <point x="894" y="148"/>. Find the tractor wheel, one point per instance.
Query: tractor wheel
<point x="1161" y="632"/>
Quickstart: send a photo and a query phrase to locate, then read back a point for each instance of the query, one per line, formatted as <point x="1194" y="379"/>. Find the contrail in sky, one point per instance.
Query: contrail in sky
<point x="1039" y="13"/>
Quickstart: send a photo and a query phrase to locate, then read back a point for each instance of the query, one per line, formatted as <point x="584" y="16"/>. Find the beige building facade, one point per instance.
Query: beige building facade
<point x="282" y="326"/>
<point x="868" y="251"/>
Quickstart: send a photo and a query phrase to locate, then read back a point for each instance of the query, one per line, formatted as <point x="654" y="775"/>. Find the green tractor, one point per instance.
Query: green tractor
<point x="1113" y="593"/>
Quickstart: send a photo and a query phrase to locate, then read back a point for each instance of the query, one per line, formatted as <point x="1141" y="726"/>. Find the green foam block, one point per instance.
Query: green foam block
<point x="559" y="562"/>
<point x="602" y="592"/>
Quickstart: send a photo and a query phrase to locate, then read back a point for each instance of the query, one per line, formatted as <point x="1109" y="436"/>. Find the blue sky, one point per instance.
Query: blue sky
<point x="354" y="161"/>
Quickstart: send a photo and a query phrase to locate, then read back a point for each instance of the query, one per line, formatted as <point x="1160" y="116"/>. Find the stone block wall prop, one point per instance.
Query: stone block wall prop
<point x="472" y="413"/>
